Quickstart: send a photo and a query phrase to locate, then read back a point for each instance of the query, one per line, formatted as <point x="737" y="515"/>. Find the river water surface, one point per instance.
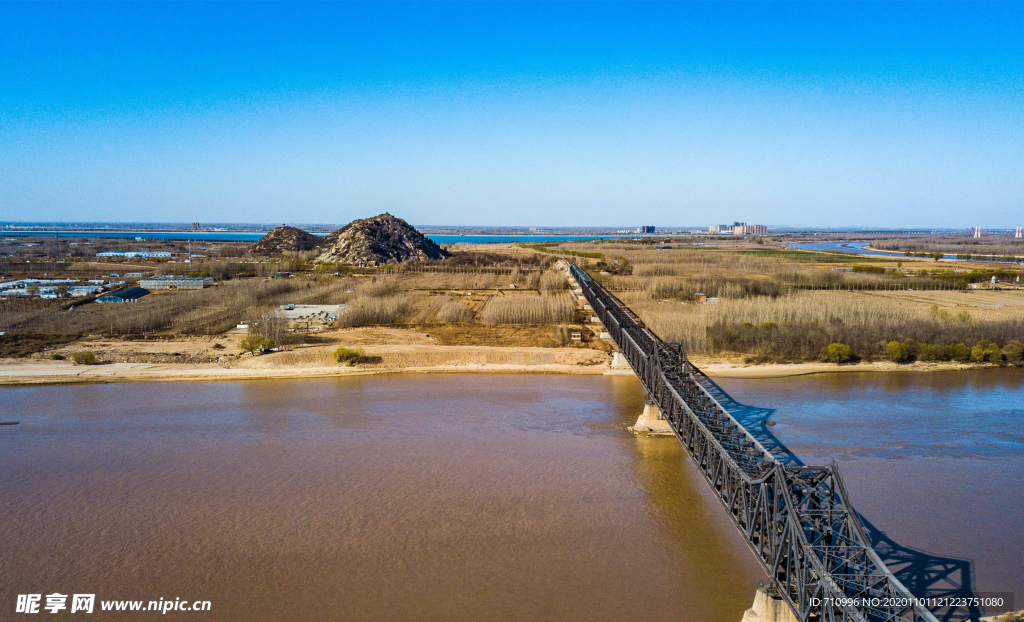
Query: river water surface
<point x="478" y="497"/>
<point x="935" y="461"/>
<point x="445" y="497"/>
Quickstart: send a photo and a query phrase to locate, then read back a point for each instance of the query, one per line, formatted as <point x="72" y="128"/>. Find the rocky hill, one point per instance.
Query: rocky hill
<point x="377" y="241"/>
<point x="286" y="239"/>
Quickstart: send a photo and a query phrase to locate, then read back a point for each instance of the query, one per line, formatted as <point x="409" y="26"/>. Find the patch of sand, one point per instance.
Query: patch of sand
<point x="773" y="370"/>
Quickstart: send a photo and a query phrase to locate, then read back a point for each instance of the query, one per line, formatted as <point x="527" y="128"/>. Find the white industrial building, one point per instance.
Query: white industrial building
<point x="135" y="254"/>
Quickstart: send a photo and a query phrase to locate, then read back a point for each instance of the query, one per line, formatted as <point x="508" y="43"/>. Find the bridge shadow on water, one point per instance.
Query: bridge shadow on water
<point x="926" y="575"/>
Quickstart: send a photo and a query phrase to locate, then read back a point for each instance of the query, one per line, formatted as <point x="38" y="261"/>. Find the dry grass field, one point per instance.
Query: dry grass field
<point x="784" y="305"/>
<point x="772" y="304"/>
<point x="509" y="298"/>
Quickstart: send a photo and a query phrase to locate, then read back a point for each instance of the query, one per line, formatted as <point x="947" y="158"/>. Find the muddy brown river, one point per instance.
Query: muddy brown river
<point x="477" y="497"/>
<point x="442" y="497"/>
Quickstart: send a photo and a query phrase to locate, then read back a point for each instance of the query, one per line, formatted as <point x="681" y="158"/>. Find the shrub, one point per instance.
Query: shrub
<point x="57" y="357"/>
<point x="84" y="358"/>
<point x="913" y="347"/>
<point x="958" y="352"/>
<point x="928" y="352"/>
<point x="869" y="269"/>
<point x="768" y="325"/>
<point x="1014" y="352"/>
<point x="349" y="356"/>
<point x="254" y="344"/>
<point x="250" y="344"/>
<point x="986" y="352"/>
<point x="897" y="352"/>
<point x="837" y="353"/>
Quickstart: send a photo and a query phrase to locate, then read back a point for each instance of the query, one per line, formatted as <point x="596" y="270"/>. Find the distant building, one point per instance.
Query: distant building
<point x="1019" y="234"/>
<point x="977" y="232"/>
<point x="125" y="295"/>
<point x="647" y="229"/>
<point x="45" y="288"/>
<point x="23" y="283"/>
<point x="134" y="254"/>
<point x="48" y="288"/>
<point x="745" y="229"/>
<point x="738" y="228"/>
<point x="166" y="281"/>
<point x="84" y="290"/>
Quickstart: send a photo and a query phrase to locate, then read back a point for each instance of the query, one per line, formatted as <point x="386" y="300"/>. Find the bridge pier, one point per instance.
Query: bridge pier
<point x="767" y="608"/>
<point x="652" y="422"/>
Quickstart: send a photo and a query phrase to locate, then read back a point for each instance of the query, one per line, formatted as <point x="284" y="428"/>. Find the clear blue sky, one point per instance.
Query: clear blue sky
<point x="874" y="114"/>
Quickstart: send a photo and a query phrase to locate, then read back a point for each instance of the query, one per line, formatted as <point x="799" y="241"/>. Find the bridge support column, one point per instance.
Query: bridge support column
<point x="767" y="608"/>
<point x="652" y="422"/>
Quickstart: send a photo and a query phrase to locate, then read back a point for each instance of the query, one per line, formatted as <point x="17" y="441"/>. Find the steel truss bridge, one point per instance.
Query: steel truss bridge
<point x="797" y="520"/>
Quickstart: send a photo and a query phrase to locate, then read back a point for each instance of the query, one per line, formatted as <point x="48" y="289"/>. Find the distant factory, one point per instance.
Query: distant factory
<point x="738" y="228"/>
<point x="135" y="254"/>
<point x="166" y="281"/>
<point x="641" y="230"/>
<point x="52" y="288"/>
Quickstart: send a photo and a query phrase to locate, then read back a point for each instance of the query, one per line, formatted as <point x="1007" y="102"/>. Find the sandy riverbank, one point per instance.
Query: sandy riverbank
<point x="777" y="370"/>
<point x="418" y="359"/>
<point x="14" y="373"/>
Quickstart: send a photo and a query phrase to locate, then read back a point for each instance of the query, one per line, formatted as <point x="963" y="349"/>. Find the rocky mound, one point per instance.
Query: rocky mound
<point x="378" y="241"/>
<point x="285" y="239"/>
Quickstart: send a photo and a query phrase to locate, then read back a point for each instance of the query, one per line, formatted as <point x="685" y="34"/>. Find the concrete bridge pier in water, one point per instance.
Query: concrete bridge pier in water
<point x="768" y="607"/>
<point x="652" y="422"/>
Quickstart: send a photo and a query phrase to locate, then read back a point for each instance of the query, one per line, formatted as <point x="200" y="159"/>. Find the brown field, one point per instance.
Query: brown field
<point x="511" y="298"/>
<point x="786" y="306"/>
<point x="773" y="305"/>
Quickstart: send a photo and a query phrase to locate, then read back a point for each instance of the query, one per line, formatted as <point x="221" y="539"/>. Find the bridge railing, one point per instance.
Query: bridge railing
<point x="797" y="519"/>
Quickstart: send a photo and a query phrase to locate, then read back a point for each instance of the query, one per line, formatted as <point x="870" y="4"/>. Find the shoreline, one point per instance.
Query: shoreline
<point x="22" y="372"/>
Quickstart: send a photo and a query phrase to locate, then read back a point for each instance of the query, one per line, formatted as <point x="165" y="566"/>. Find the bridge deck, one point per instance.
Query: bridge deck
<point x="797" y="519"/>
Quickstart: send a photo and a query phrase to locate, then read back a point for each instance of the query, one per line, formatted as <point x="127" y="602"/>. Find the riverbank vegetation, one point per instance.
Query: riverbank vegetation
<point x="789" y="306"/>
<point x="485" y="288"/>
<point x="764" y="302"/>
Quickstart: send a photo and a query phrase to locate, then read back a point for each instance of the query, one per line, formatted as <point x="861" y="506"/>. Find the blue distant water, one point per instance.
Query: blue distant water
<point x="234" y="236"/>
<point x="861" y="248"/>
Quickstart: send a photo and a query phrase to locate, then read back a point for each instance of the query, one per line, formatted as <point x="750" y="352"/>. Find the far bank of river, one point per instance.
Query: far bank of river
<point x="414" y="359"/>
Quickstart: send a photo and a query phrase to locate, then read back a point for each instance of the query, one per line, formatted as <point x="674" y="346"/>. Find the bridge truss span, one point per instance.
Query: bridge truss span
<point x="797" y="519"/>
